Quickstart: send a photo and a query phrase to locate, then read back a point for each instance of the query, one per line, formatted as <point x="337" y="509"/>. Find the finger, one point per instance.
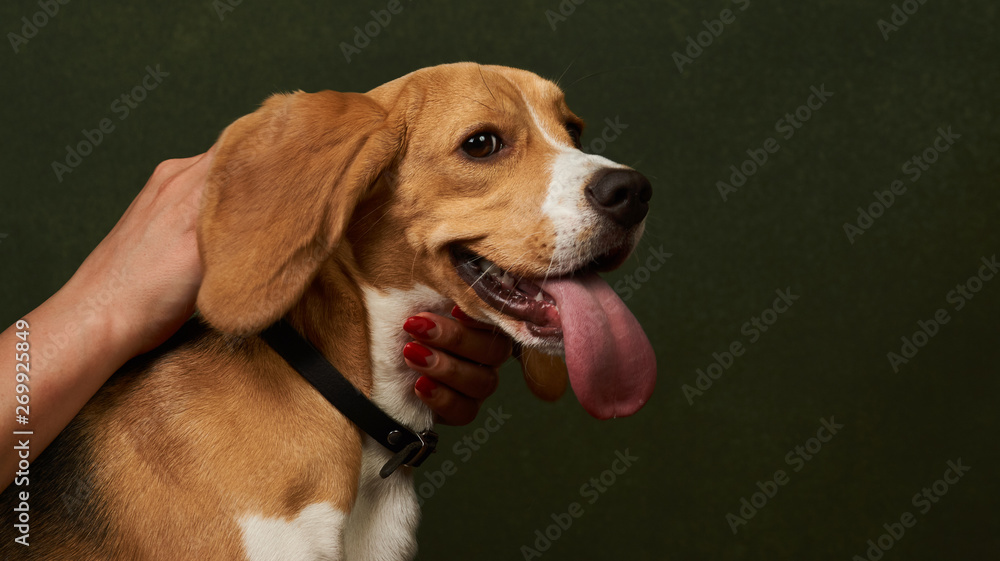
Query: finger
<point x="478" y="345"/>
<point x="467" y="321"/>
<point x="468" y="378"/>
<point x="166" y="174"/>
<point x="196" y="177"/>
<point x="450" y="407"/>
<point x="175" y="166"/>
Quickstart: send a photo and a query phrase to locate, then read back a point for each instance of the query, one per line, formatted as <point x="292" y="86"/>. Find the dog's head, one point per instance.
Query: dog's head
<point x="468" y="179"/>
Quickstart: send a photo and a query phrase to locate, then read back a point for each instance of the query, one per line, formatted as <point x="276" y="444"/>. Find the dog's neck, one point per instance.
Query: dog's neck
<point x="359" y="328"/>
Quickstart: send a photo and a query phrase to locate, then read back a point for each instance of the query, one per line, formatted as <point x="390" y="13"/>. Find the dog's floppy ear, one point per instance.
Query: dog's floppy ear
<point x="283" y="185"/>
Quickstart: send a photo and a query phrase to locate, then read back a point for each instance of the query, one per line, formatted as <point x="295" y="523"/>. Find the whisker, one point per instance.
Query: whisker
<point x="605" y="72"/>
<point x="485" y="84"/>
<point x="563" y="75"/>
<point x="481" y="103"/>
<point x="375" y="222"/>
<point x="413" y="266"/>
<point x="591" y="75"/>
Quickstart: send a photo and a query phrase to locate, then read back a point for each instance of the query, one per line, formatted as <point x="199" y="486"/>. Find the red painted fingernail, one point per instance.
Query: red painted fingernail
<point x="418" y="326"/>
<point x="417" y="353"/>
<point x="425" y="385"/>
<point x="457" y="313"/>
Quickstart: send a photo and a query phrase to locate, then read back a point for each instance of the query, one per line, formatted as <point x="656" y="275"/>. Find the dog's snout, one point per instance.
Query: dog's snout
<point x="621" y="195"/>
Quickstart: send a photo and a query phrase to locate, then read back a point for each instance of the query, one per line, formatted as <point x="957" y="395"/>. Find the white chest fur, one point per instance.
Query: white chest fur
<point x="314" y="535"/>
<point x="382" y="525"/>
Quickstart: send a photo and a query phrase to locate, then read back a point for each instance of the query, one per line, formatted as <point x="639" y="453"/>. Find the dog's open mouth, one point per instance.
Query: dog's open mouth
<point x="520" y="298"/>
<point x="610" y="362"/>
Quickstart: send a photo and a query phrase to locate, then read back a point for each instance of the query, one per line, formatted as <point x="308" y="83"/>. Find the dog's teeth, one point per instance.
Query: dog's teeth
<point x="528" y="288"/>
<point x="538" y="297"/>
<point x="506" y="280"/>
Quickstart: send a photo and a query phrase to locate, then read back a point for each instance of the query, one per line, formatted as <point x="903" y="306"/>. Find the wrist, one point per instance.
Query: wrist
<point x="90" y="313"/>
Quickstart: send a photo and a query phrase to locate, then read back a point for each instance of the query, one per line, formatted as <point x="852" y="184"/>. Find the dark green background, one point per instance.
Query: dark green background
<point x="825" y="357"/>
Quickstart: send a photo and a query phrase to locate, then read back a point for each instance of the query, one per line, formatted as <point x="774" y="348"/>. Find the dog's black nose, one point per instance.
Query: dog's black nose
<point x="620" y="194"/>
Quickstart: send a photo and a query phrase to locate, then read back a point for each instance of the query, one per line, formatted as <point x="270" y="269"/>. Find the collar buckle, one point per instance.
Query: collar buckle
<point x="407" y="447"/>
<point x="428" y="445"/>
<point x="412" y="454"/>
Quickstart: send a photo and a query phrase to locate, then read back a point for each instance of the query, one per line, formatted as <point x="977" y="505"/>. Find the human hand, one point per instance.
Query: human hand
<point x="130" y="294"/>
<point x="149" y="262"/>
<point x="458" y="359"/>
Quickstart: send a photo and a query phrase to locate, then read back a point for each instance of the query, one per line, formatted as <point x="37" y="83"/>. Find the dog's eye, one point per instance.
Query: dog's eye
<point x="576" y="134"/>
<point x="482" y="145"/>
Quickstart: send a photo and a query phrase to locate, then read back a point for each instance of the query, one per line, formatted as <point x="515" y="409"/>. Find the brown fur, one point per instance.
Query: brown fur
<point x="309" y="199"/>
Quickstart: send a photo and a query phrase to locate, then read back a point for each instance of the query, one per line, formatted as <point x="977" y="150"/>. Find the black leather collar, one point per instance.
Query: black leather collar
<point x="409" y="448"/>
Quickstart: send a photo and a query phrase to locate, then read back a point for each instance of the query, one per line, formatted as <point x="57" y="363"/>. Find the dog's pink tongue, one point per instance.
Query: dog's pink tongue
<point x="611" y="364"/>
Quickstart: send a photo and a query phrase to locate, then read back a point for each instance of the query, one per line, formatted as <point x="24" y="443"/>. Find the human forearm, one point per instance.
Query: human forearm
<point x="136" y="289"/>
<point x="67" y="347"/>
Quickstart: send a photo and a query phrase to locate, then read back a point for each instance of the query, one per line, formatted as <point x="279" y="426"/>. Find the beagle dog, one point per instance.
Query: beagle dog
<point x="344" y="214"/>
